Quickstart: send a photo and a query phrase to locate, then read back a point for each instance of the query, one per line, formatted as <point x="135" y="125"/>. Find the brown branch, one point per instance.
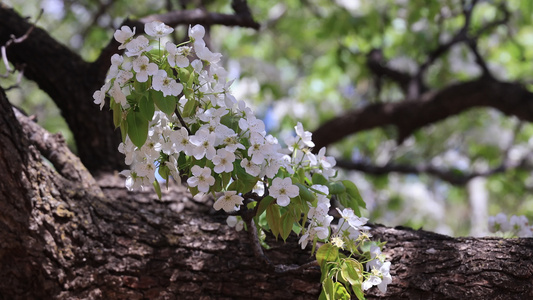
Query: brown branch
<point x="54" y="148"/>
<point x="452" y="176"/>
<point x="462" y="35"/>
<point x="407" y="116"/>
<point x="377" y="65"/>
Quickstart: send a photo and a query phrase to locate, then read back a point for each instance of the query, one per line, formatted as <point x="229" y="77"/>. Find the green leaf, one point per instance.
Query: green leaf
<point x="189" y="108"/>
<point x="226" y="178"/>
<point x="245" y="182"/>
<point x="165" y="104"/>
<point x="157" y="188"/>
<point x="305" y="194"/>
<point x="137" y="128"/>
<point x="146" y="108"/>
<point x="328" y="288"/>
<point x="184" y="76"/>
<point x="273" y="219"/>
<point x="353" y="191"/>
<point x="325" y="253"/>
<point x="358" y="291"/>
<point x="263" y="204"/>
<point x="123" y="129"/>
<point x="163" y="171"/>
<point x="319" y="179"/>
<point x="336" y="188"/>
<point x="352" y="271"/>
<point x="117" y="113"/>
<point x="286" y="225"/>
<point x="340" y="292"/>
<point x="349" y="202"/>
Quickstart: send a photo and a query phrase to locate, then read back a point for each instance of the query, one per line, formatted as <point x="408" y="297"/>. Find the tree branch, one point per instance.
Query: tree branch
<point x="377" y="65"/>
<point x="462" y="35"/>
<point x="452" y="176"/>
<point x="407" y="116"/>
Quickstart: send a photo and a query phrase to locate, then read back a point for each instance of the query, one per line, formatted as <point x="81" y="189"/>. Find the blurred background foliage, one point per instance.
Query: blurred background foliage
<point x="308" y="64"/>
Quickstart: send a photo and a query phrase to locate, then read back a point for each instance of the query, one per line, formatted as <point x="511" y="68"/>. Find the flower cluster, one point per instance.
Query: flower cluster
<point x="515" y="226"/>
<point x="179" y="119"/>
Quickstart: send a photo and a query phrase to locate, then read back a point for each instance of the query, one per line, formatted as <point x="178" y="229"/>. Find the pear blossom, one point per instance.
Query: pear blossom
<point x="116" y="62"/>
<point x="118" y="95"/>
<point x="231" y="142"/>
<point x="124" y="36"/>
<point x="205" y="144"/>
<point x="172" y="165"/>
<point x="143" y="67"/>
<point x="169" y="87"/>
<point x="181" y="141"/>
<point x="177" y="57"/>
<point x="499" y="223"/>
<point x="137" y="46"/>
<point x="251" y="168"/>
<point x="223" y="161"/>
<point x="304" y="135"/>
<point x="354" y="221"/>
<point x="205" y="54"/>
<point x="233" y="221"/>
<point x="127" y="148"/>
<point x="145" y="169"/>
<point x="282" y="190"/>
<point x="197" y="32"/>
<point x="229" y="201"/>
<point x="380" y="277"/>
<point x="257" y="148"/>
<point x="253" y="124"/>
<point x="99" y="95"/>
<point x="133" y="182"/>
<point x="157" y="29"/>
<point x="201" y="178"/>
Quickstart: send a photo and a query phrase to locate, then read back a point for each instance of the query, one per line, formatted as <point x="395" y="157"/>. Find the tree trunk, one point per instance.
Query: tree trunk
<point x="67" y="236"/>
<point x="70" y="82"/>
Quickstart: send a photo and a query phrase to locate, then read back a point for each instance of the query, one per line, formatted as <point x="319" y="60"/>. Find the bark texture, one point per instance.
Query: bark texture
<point x="70" y="82"/>
<point x="67" y="236"/>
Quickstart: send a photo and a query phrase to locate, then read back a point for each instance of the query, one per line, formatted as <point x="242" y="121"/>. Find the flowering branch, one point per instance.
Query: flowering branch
<point x="225" y="151"/>
<point x="241" y="18"/>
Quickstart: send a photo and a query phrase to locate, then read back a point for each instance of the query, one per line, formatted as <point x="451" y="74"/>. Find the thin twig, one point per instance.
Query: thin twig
<point x="3" y="50"/>
<point x="182" y="122"/>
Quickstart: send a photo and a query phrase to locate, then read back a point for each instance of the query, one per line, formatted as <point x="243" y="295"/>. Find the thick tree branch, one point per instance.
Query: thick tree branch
<point x="61" y="240"/>
<point x="407" y="116"/>
<point x="452" y="176"/>
<point x="70" y="82"/>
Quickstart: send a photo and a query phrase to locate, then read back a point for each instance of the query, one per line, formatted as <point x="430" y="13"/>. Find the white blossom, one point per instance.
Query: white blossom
<point x="201" y="178"/>
<point x="223" y="161"/>
<point x="169" y="87"/>
<point x="157" y="29"/>
<point x="144" y="68"/>
<point x="282" y="190"/>
<point x="177" y="57"/>
<point x="124" y="36"/>
<point x="229" y="201"/>
<point x="205" y="144"/>
<point x="138" y="46"/>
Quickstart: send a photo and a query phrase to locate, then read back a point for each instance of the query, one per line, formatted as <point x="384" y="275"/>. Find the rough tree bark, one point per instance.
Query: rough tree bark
<point x="66" y="235"/>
